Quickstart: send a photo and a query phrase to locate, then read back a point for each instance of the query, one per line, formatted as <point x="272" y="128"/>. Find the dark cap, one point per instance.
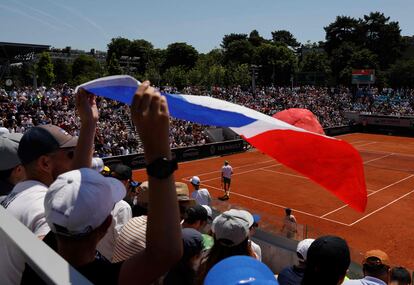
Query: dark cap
<point x="9" y="144"/>
<point x="196" y="213"/>
<point x="122" y="172"/>
<point x="328" y="258"/>
<point x="192" y="242"/>
<point x="42" y="140"/>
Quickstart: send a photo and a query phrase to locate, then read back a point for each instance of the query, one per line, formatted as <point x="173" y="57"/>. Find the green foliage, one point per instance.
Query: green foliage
<point x="85" y="68"/>
<point x="255" y="39"/>
<point x="228" y="39"/>
<point x="62" y="71"/>
<point x="315" y="61"/>
<point x="401" y="74"/>
<point x="118" y="46"/>
<point x="176" y="76"/>
<point x="180" y="54"/>
<point x="113" y="66"/>
<point x="44" y="69"/>
<point x="278" y="63"/>
<point x="239" y="52"/>
<point x="286" y="38"/>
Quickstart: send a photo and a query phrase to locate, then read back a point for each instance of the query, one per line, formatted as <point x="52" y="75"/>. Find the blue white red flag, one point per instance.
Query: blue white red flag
<point x="330" y="162"/>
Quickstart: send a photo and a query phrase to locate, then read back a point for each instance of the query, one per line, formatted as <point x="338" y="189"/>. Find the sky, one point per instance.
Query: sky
<point x="86" y="24"/>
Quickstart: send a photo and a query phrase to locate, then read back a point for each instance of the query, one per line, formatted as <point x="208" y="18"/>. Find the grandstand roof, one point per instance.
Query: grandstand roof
<point x="17" y="52"/>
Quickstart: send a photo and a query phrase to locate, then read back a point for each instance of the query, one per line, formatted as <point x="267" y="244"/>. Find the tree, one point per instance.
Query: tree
<point x="315" y="61"/>
<point x="176" y="76"/>
<point x="286" y="38"/>
<point x="255" y="39"/>
<point x="62" y="71"/>
<point x="382" y="37"/>
<point x="239" y="52"/>
<point x="228" y="39"/>
<point x="343" y="30"/>
<point x="180" y="54"/>
<point x="277" y="62"/>
<point x="44" y="69"/>
<point x="113" y="66"/>
<point x="401" y="74"/>
<point x="118" y="46"/>
<point x="141" y="49"/>
<point x="85" y="68"/>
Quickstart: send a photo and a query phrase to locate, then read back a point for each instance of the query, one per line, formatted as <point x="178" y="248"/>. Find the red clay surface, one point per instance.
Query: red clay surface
<point x="261" y="185"/>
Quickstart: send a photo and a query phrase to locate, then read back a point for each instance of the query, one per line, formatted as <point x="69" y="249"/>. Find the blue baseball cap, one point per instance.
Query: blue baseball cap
<point x="256" y="218"/>
<point x="240" y="270"/>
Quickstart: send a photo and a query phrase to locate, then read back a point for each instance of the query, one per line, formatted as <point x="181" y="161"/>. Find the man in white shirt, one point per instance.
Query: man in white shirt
<point x="45" y="152"/>
<point x="202" y="196"/>
<point x="226" y="172"/>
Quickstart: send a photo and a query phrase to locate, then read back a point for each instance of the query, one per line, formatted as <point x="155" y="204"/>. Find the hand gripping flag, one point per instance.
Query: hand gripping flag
<point x="330" y="162"/>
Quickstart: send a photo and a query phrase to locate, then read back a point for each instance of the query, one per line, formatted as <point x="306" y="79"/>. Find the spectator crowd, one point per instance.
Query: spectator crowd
<point x="115" y="230"/>
<point x="23" y="108"/>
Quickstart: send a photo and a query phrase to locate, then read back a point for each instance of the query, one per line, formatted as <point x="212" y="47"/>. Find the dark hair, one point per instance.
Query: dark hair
<point x="5" y="174"/>
<point x="328" y="259"/>
<point x="401" y="275"/>
<point x="288" y="211"/>
<point x="373" y="269"/>
<point x="219" y="252"/>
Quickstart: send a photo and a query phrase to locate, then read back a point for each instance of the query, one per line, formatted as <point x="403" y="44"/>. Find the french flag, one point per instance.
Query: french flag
<point x="330" y="162"/>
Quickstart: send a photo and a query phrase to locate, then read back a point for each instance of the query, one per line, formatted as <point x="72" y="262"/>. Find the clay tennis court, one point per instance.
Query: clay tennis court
<point x="262" y="185"/>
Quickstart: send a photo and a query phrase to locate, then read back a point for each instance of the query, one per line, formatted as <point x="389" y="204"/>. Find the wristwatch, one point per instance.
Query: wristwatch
<point x="162" y="167"/>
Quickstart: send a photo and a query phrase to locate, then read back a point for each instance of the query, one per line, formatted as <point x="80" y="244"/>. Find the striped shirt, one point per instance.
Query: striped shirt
<point x="131" y="240"/>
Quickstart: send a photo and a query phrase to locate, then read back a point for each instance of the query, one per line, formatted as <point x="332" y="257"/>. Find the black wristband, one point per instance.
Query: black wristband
<point x="162" y="167"/>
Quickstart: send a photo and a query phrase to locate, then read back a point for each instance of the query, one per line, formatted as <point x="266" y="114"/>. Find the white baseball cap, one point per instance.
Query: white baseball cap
<point x="97" y="164"/>
<point x="302" y="249"/>
<point x="232" y="227"/>
<point x="195" y="180"/>
<point x="80" y="200"/>
<point x="209" y="211"/>
<point x="4" y="131"/>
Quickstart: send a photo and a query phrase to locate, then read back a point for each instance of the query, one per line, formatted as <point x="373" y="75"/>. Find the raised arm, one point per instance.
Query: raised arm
<point x="88" y="113"/>
<point x="164" y="244"/>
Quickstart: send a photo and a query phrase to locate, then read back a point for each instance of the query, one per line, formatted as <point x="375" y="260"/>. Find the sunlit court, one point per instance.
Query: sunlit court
<point x="262" y="185"/>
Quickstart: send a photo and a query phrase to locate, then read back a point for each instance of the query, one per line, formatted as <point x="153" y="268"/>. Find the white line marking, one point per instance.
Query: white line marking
<point x="366" y="144"/>
<point x="383" y="188"/>
<point x="386" y="152"/>
<point x="246" y="165"/>
<point x="379" y="209"/>
<point x="238" y="173"/>
<point x="283" y="173"/>
<point x="378" y="158"/>
<point x="276" y="205"/>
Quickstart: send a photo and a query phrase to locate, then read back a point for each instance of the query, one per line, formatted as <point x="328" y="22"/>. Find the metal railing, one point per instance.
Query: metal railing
<point x="52" y="268"/>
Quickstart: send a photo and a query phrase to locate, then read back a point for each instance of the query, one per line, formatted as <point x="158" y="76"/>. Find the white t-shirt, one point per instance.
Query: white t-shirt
<point x="25" y="202"/>
<point x="257" y="250"/>
<point x="121" y="214"/>
<point x="227" y="170"/>
<point x="202" y="196"/>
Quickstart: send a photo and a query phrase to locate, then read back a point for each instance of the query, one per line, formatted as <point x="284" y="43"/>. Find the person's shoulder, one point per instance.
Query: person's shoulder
<point x="101" y="271"/>
<point x="121" y="205"/>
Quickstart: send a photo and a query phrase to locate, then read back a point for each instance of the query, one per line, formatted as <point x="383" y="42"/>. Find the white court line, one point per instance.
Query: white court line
<point x="379" y="209"/>
<point x="383" y="188"/>
<point x="241" y="166"/>
<point x="283" y="173"/>
<point x="238" y="173"/>
<point x="378" y="158"/>
<point x="387" y="152"/>
<point x="275" y="205"/>
<point x="365" y="144"/>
